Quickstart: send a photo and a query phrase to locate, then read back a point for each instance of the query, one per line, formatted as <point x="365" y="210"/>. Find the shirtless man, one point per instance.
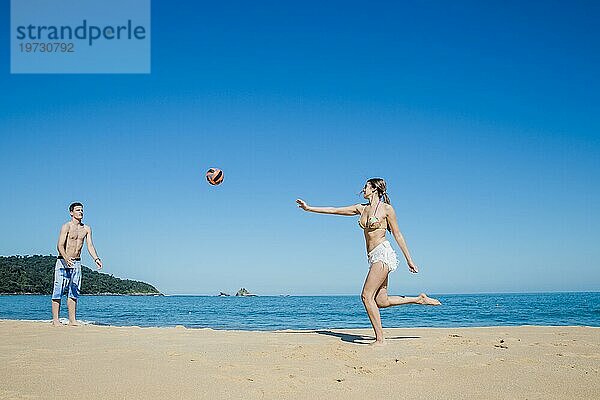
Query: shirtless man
<point x="67" y="271"/>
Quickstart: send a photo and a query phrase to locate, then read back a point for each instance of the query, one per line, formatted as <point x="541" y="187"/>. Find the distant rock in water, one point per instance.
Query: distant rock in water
<point x="35" y="275"/>
<point x="223" y="294"/>
<point x="244" y="292"/>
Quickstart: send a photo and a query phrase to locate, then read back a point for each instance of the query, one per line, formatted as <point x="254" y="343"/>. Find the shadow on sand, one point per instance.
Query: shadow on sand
<point x="352" y="338"/>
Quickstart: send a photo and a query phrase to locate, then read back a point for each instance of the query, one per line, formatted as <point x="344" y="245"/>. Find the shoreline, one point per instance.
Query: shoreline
<point x="84" y="294"/>
<point x="534" y="362"/>
<point x="182" y="326"/>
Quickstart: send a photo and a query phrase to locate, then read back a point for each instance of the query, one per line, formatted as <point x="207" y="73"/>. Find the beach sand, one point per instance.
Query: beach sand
<point x="38" y="361"/>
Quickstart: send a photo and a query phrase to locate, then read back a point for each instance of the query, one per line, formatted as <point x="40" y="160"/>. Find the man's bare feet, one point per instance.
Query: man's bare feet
<point x="377" y="343"/>
<point x="428" y="301"/>
<point x="56" y="323"/>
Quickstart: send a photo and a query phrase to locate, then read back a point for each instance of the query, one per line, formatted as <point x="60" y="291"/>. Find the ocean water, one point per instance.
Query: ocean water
<point x="315" y="312"/>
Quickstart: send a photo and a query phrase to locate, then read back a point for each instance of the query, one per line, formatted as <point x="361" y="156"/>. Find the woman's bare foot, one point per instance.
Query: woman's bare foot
<point x="427" y="301"/>
<point x="56" y="323"/>
<point x="377" y="343"/>
<point x="73" y="323"/>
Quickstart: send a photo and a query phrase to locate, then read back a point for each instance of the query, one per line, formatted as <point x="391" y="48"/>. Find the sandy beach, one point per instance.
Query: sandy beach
<point x="39" y="361"/>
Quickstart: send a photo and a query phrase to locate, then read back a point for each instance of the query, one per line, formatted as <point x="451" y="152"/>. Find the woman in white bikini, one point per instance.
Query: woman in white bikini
<point x="375" y="218"/>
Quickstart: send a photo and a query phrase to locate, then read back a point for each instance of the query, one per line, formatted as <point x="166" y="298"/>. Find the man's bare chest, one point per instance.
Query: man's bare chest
<point x="76" y="233"/>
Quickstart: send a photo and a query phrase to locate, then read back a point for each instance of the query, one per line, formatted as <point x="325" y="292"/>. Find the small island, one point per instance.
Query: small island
<point x="35" y="275"/>
<point x="244" y="293"/>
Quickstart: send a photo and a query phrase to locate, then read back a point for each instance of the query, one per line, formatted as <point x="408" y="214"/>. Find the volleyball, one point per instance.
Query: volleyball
<point x="214" y="176"/>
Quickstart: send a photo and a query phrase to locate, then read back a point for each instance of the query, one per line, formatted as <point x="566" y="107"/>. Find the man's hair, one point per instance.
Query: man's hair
<point x="73" y="205"/>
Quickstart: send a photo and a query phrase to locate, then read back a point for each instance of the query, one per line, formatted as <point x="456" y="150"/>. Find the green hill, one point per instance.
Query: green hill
<point x="35" y="275"/>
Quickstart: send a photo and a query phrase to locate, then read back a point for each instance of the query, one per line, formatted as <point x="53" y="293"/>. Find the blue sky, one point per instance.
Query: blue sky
<point x="483" y="118"/>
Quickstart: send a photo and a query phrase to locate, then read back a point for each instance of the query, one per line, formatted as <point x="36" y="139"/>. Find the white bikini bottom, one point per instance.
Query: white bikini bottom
<point x="383" y="252"/>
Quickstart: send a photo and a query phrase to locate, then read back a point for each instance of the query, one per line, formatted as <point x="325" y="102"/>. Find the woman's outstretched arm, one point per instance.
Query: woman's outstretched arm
<point x="349" y="210"/>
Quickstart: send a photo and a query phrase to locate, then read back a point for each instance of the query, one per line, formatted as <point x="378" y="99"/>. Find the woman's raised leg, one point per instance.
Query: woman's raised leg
<point x="383" y="300"/>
